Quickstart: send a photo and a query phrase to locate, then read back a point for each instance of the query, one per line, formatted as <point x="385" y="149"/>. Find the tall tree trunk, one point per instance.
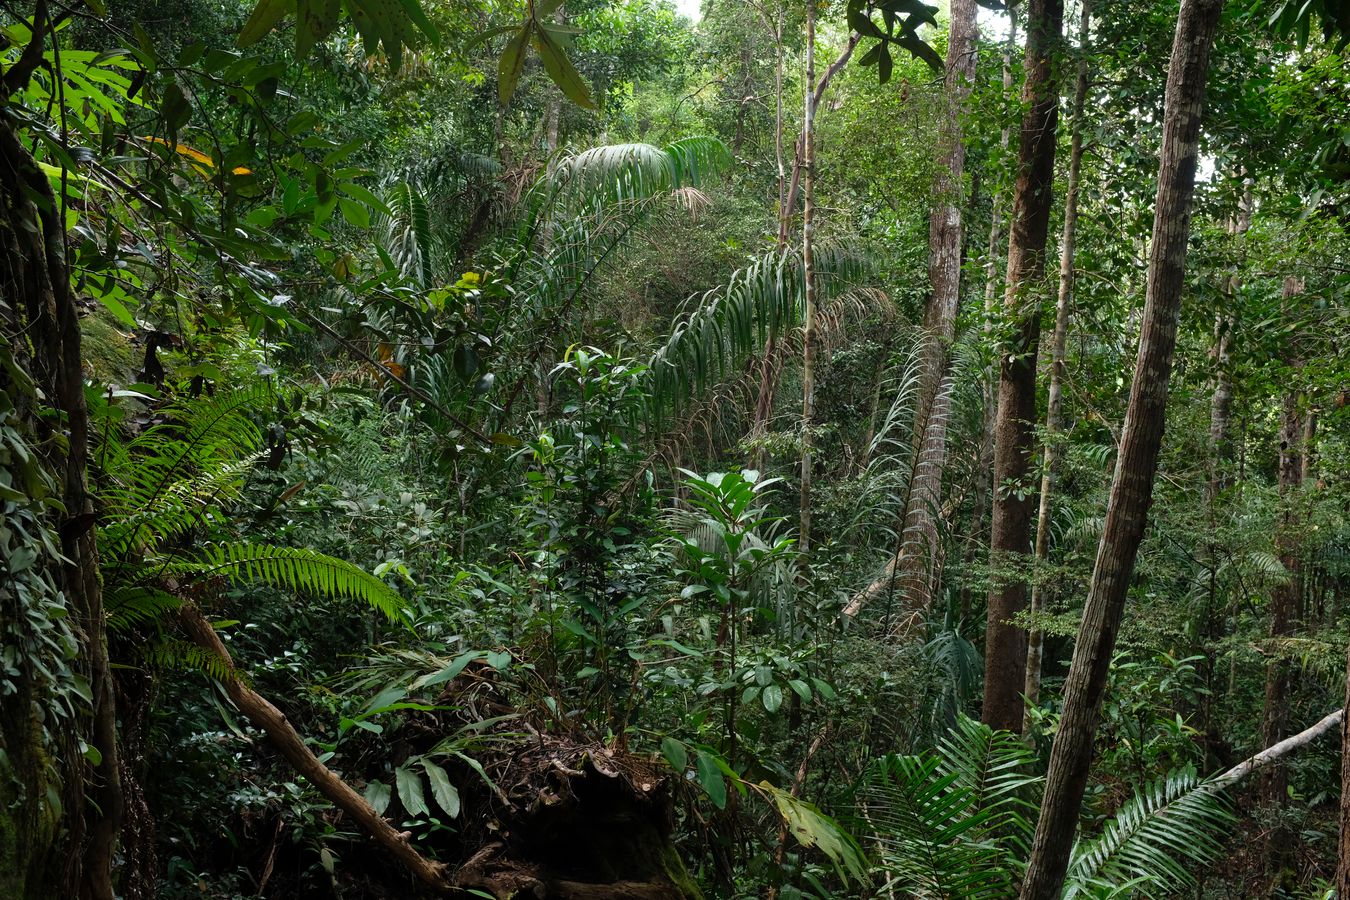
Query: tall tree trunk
<point x="996" y="214"/>
<point x="912" y="566"/>
<point x="1284" y="596"/>
<point x="1058" y="353"/>
<point x="1014" y="435"/>
<point x="808" y="280"/>
<point x="1343" y="862"/>
<point x="1221" y="454"/>
<point x="41" y="323"/>
<point x="1137" y="462"/>
<point x="768" y="379"/>
<point x="778" y="53"/>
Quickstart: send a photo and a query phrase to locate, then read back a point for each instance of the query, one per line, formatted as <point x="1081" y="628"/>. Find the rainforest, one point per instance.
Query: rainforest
<point x="674" y="449"/>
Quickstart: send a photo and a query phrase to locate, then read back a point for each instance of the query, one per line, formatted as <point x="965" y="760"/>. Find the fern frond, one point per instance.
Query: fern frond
<point x="176" y="655"/>
<point x="1176" y="821"/>
<point x="296" y="569"/>
<point x="131" y="605"/>
<point x="196" y="436"/>
<point x="406" y="232"/>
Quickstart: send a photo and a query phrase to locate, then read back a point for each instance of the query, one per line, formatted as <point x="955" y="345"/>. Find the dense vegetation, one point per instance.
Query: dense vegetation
<point x="570" y="450"/>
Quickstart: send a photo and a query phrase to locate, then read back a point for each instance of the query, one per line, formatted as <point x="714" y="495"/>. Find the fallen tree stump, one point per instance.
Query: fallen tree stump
<point x="581" y="821"/>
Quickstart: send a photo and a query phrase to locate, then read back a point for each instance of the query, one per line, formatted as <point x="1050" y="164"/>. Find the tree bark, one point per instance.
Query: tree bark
<point x="808" y="281"/>
<point x="292" y="746"/>
<point x="1059" y="349"/>
<point x="41" y="309"/>
<point x="1343" y="860"/>
<point x="1137" y="462"/>
<point x="1014" y="437"/>
<point x="1279" y="751"/>
<point x="1284" y="596"/>
<point x="996" y="214"/>
<point x="912" y="566"/>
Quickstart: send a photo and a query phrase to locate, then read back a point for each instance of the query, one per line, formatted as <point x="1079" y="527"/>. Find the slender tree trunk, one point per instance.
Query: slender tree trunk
<point x="912" y="566"/>
<point x="1343" y="862"/>
<point x="1137" y="462"/>
<point x="1221" y="454"/>
<point x="1058" y="353"/>
<point x="996" y="214"/>
<point x="778" y="125"/>
<point x="794" y="183"/>
<point x="768" y="379"/>
<point x="1014" y="435"/>
<point x="808" y="280"/>
<point x="1284" y="596"/>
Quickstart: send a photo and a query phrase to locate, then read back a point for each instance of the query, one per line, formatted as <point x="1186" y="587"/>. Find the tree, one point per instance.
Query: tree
<point x="1014" y="430"/>
<point x="51" y="854"/>
<point x="1136" y="465"/>
<point x="914" y="565"/>
<point x="810" y="336"/>
<point x="1054" y="412"/>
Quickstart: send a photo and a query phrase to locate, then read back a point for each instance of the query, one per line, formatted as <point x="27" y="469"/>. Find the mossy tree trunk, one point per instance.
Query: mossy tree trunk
<point x="61" y="808"/>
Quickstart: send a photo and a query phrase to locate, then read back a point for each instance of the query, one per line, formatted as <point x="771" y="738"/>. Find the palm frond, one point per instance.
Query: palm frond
<point x="406" y="232"/>
<point x="130" y="605"/>
<point x="1175" y="822"/>
<point x="727" y="324"/>
<point x="929" y="831"/>
<point x="996" y="767"/>
<point x="626" y="172"/>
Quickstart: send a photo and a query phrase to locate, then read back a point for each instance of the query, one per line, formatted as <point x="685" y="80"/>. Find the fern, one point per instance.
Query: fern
<point x="1177" y="820"/>
<point x="296" y="569"/>
<point x="931" y="831"/>
<point x="130" y="605"/>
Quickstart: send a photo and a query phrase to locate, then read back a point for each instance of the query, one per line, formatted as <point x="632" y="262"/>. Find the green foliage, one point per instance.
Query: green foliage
<point x="958" y="823"/>
<point x="394" y="25"/>
<point x="1151" y="843"/>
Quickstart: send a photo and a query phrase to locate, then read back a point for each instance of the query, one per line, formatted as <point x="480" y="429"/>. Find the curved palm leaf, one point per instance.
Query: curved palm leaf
<point x="1176" y="821"/>
<point x="727" y="324"/>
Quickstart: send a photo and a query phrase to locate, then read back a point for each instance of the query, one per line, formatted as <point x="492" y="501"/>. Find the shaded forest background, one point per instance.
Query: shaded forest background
<point x="570" y="450"/>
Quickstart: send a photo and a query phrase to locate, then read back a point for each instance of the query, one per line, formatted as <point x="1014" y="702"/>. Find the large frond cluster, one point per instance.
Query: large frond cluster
<point x="958" y="822"/>
<point x="167" y="492"/>
<point x="1177" y="821"/>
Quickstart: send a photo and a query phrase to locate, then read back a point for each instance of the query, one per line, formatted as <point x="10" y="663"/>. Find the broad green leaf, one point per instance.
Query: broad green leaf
<point x="377" y="795"/>
<point x="675" y="753"/>
<point x="512" y="63"/>
<point x="561" y="70"/>
<point x="410" y="791"/>
<point x="812" y="828"/>
<point x="772" y="697"/>
<point x="449" y="673"/>
<point x="710" y="776"/>
<point x="445" y="794"/>
<point x="264" y="18"/>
